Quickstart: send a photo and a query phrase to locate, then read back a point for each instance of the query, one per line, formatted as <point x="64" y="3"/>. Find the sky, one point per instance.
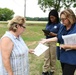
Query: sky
<point x="32" y="9"/>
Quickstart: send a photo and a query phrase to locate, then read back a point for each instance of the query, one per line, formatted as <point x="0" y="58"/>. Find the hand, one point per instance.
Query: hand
<point x="63" y="46"/>
<point x="31" y="51"/>
<point x="52" y="34"/>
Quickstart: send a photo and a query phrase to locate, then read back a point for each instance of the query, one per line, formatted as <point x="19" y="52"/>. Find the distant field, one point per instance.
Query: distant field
<point x="36" y="21"/>
<point x="26" y="22"/>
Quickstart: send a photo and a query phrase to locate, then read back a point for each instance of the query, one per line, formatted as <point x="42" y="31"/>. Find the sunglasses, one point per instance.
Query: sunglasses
<point x="22" y="26"/>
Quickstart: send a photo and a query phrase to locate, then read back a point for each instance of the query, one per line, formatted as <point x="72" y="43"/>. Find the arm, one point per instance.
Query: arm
<point x="48" y="40"/>
<point x="68" y="46"/>
<point x="6" y="48"/>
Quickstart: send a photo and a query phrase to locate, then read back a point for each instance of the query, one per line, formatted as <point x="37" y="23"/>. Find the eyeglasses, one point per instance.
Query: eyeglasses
<point x="22" y="26"/>
<point x="63" y="19"/>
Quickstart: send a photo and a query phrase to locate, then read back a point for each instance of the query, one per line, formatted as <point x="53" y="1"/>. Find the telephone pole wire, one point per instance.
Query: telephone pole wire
<point x="24" y="8"/>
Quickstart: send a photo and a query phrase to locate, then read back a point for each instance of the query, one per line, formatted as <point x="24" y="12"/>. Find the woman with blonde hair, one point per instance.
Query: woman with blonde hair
<point x="67" y="51"/>
<point x="13" y="50"/>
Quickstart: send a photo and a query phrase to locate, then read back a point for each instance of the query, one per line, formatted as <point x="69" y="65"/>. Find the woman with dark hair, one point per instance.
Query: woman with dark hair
<point x="53" y="26"/>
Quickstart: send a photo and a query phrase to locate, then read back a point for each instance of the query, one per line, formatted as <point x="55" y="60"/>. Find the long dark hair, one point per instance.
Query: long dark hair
<point x="53" y="12"/>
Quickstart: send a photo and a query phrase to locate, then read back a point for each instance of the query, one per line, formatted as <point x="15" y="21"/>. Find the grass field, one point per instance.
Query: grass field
<point x="32" y="35"/>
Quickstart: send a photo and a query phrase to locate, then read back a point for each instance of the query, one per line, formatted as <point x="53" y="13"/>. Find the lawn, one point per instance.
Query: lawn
<point x="32" y="35"/>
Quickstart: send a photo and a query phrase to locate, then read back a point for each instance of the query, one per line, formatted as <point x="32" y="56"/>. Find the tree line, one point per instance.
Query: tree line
<point x="36" y="19"/>
<point x="7" y="14"/>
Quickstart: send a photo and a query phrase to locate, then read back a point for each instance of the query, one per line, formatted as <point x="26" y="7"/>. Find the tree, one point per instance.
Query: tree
<point x="57" y="4"/>
<point x="69" y="3"/>
<point x="6" y="14"/>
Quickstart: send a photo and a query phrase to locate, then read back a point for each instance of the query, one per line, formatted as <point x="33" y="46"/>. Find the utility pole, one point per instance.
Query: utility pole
<point x="24" y="8"/>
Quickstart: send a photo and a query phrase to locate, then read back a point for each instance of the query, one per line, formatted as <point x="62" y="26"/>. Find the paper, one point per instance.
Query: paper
<point x="69" y="39"/>
<point x="40" y="49"/>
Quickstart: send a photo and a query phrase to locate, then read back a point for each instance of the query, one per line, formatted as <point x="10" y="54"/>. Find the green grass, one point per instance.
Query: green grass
<point x="3" y="28"/>
<point x="32" y="35"/>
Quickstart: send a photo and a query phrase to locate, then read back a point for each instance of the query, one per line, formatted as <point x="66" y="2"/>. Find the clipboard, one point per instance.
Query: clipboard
<point x="46" y="31"/>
